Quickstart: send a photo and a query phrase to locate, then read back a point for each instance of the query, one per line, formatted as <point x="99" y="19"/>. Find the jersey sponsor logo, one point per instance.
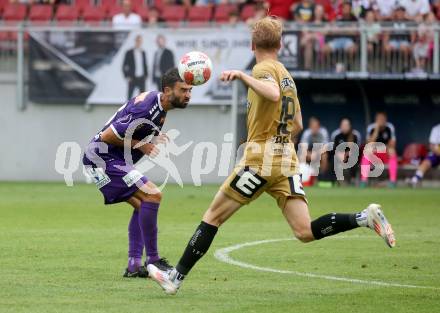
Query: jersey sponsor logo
<point x="132" y="177"/>
<point x="287" y="83"/>
<point x="99" y="176"/>
<point x="247" y="182"/>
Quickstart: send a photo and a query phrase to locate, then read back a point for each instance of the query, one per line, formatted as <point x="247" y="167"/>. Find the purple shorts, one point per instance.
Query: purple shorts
<point x="434" y="159"/>
<point x="118" y="182"/>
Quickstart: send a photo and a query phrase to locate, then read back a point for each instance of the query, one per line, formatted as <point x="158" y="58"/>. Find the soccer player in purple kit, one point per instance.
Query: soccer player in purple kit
<point x="110" y="159"/>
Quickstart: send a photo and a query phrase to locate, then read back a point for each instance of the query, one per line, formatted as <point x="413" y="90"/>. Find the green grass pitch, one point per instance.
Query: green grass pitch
<point x="62" y="250"/>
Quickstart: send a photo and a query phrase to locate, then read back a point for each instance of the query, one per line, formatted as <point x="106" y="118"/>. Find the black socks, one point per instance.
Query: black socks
<point x="197" y="247"/>
<point x="333" y="223"/>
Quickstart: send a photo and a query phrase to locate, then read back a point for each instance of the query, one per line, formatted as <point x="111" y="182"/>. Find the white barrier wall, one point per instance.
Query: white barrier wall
<point x="30" y="138"/>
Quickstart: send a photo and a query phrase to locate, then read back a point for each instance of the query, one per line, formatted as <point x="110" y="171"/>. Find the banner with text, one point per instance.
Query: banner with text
<point x="103" y="67"/>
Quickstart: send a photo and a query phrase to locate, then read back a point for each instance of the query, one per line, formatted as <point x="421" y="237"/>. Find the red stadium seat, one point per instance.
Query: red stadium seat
<point x="81" y="4"/>
<point x="14" y="13"/>
<point x="222" y="12"/>
<point x="93" y="15"/>
<point x="114" y="10"/>
<point x="143" y="12"/>
<point x="413" y="153"/>
<point x="136" y="4"/>
<point x="247" y="11"/>
<point x="3" y="3"/>
<point x="66" y="14"/>
<point x="107" y="5"/>
<point x="40" y="13"/>
<point x="201" y="14"/>
<point x="173" y="14"/>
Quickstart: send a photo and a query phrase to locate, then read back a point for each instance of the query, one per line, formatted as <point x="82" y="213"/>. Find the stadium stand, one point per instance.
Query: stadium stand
<point x="222" y="12"/>
<point x="14" y="13"/>
<point x="40" y="14"/>
<point x="173" y="14"/>
<point x="93" y="15"/>
<point x="200" y="14"/>
<point x="66" y="15"/>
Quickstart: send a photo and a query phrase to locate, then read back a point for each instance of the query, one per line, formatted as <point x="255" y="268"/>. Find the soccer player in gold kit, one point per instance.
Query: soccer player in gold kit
<point x="269" y="163"/>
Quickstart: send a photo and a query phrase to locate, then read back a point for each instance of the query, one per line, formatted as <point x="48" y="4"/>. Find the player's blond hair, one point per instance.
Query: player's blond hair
<point x="266" y="33"/>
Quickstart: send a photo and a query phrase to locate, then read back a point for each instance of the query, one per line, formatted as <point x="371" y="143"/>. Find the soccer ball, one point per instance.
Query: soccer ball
<point x="195" y="68"/>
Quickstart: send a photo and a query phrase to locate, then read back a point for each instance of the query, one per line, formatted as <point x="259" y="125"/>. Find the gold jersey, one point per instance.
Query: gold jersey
<point x="270" y="124"/>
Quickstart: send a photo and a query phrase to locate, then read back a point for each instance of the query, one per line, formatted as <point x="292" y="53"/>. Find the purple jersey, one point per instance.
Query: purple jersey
<point x="141" y="117"/>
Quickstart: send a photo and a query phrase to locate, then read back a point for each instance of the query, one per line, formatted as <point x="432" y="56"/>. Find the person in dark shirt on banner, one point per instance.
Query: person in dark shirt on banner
<point x="135" y="67"/>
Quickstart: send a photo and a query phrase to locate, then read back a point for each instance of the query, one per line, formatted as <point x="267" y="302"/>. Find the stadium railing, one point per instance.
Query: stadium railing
<point x="330" y="51"/>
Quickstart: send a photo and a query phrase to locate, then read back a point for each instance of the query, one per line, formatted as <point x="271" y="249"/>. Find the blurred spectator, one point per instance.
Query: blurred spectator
<point x="360" y="7"/>
<point x="343" y="41"/>
<point x="234" y="18"/>
<point x="385" y="9"/>
<point x="260" y="12"/>
<point x="127" y="19"/>
<point x="424" y="44"/>
<point x="154" y="16"/>
<point x="381" y="131"/>
<point x="373" y="31"/>
<point x="331" y="8"/>
<point x="314" y="139"/>
<point x="433" y="158"/>
<point x="303" y="12"/>
<point x="398" y="40"/>
<point x="313" y="39"/>
<point x="436" y="8"/>
<point x="280" y="8"/>
<point x="415" y="8"/>
<point x="346" y="14"/>
<point x="344" y="134"/>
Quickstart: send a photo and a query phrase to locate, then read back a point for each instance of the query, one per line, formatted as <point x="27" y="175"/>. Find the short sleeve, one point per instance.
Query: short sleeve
<point x="434" y="137"/>
<point x="324" y="133"/>
<point x="120" y="126"/>
<point x="305" y="136"/>
<point x="265" y="72"/>
<point x="392" y="131"/>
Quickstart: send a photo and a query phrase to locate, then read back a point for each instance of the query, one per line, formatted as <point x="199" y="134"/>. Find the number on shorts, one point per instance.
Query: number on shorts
<point x="296" y="187"/>
<point x="247" y="182"/>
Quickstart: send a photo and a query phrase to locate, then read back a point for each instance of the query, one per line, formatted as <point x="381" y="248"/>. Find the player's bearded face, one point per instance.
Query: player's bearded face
<point x="180" y="95"/>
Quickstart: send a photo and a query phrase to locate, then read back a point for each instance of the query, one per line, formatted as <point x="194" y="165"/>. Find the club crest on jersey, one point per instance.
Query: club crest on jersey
<point x="287" y="83"/>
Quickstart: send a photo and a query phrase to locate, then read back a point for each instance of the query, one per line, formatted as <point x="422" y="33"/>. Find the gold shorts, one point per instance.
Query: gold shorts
<point x="245" y="185"/>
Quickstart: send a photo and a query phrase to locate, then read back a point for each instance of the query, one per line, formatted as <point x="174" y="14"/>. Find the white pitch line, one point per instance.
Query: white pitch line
<point x="223" y="256"/>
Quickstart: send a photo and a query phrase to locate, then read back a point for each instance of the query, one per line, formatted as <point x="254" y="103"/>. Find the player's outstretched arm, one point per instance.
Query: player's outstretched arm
<point x="297" y="124"/>
<point x="109" y="137"/>
<point x="266" y="89"/>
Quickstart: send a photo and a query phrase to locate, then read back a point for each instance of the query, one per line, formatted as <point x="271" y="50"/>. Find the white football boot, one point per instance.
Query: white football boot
<point x="166" y="279"/>
<point x="376" y="220"/>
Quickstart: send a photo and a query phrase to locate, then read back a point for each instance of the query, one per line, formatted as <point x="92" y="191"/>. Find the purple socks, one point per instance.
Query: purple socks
<point x="135" y="243"/>
<point x="148" y="227"/>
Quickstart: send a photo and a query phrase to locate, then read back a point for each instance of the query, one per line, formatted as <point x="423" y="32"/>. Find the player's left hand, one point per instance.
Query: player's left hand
<point x="161" y="139"/>
<point x="227" y="76"/>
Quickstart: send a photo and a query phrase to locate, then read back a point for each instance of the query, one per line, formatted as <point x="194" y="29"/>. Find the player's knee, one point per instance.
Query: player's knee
<point x="152" y="197"/>
<point x="304" y="235"/>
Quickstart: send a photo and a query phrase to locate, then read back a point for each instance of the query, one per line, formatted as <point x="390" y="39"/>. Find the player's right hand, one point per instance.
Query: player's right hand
<point x="227" y="76"/>
<point x="150" y="149"/>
